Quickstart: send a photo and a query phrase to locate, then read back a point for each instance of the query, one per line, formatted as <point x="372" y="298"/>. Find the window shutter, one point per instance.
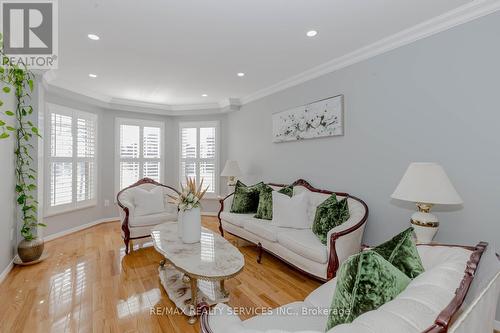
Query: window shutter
<point x="72" y="159"/>
<point x="61" y="136"/>
<point x="198" y="154"/>
<point x="207" y="151"/>
<point x="86" y="137"/>
<point x="188" y="143"/>
<point x="129" y="141"/>
<point x="61" y="183"/>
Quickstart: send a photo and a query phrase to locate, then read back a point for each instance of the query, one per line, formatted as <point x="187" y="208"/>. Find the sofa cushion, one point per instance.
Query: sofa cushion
<point x="290" y="212"/>
<point x="265" y="208"/>
<point x="286" y="318"/>
<point x="148" y="202"/>
<point x="402" y="253"/>
<point x="261" y="228"/>
<point x="315" y="199"/>
<point x="329" y="214"/>
<point x="246" y="198"/>
<point x="304" y="243"/>
<point x="152" y="219"/>
<point x="234" y="218"/>
<point x="364" y="282"/>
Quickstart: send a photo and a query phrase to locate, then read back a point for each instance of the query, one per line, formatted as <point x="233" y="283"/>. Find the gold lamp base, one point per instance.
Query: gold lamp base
<point x="424" y="223"/>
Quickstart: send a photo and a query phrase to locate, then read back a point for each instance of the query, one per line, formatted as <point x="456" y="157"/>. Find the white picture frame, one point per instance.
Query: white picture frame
<point x="318" y="119"/>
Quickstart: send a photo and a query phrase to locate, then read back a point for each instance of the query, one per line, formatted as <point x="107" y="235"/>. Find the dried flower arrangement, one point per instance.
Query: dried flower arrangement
<point x="190" y="195"/>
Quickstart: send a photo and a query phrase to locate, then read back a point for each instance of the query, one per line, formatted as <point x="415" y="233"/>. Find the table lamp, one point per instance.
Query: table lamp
<point x="426" y="184"/>
<point x="231" y="170"/>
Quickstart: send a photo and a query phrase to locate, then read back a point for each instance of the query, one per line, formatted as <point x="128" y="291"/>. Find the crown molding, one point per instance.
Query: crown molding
<point x="66" y="90"/>
<point x="448" y="20"/>
<point x="463" y="14"/>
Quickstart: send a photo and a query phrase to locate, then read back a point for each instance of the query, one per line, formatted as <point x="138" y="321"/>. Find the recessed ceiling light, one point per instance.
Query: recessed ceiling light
<point x="93" y="37"/>
<point x="241" y="74"/>
<point x="204" y="95"/>
<point x="311" y="33"/>
<point x="93" y="75"/>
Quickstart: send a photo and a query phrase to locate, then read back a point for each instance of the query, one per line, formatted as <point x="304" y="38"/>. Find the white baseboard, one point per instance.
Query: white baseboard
<point x="496" y="325"/>
<point x="209" y="213"/>
<point x="78" y="228"/>
<point x="6" y="271"/>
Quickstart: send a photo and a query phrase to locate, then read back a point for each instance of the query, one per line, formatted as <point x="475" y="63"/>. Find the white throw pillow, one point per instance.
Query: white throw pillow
<point x="290" y="212"/>
<point x="149" y="202"/>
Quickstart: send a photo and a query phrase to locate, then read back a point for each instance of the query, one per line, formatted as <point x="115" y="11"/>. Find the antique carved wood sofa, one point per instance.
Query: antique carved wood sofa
<point x="441" y="299"/>
<point x="300" y="247"/>
<point x="137" y="226"/>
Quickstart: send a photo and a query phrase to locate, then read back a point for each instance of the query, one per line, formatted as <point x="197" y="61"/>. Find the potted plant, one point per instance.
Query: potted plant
<point x="188" y="203"/>
<point x="18" y="79"/>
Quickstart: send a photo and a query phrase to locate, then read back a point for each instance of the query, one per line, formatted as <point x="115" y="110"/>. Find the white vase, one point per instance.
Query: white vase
<point x="191" y="225"/>
<point x="179" y="224"/>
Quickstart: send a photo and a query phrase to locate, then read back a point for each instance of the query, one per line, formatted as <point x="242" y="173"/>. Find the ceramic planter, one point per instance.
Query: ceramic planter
<point x="30" y="250"/>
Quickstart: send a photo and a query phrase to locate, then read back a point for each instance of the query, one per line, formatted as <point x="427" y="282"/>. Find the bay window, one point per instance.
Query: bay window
<point x="139" y="151"/>
<point x="199" y="154"/>
<point x="71" y="155"/>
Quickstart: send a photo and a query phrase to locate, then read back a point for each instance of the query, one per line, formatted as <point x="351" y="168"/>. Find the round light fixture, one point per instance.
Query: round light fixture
<point x="93" y="75"/>
<point x="241" y="74"/>
<point x="93" y="37"/>
<point x="311" y="33"/>
<point x="204" y="95"/>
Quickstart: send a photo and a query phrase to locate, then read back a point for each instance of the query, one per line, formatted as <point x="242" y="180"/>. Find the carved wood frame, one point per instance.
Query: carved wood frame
<point x="333" y="260"/>
<point x="125" y="223"/>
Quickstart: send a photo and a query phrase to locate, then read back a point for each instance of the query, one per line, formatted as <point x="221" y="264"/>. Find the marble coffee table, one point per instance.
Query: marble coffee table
<point x="195" y="273"/>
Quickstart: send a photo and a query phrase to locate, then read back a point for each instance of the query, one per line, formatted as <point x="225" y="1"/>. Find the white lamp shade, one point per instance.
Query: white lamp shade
<point x="427" y="183"/>
<point x="231" y="169"/>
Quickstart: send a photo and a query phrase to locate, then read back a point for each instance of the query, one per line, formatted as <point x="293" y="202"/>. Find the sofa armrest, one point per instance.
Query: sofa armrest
<point x="225" y="206"/>
<point x="126" y="209"/>
<point x="218" y="319"/>
<point x="345" y="240"/>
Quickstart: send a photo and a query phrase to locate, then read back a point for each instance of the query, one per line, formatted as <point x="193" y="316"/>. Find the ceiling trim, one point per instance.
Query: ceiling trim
<point x="448" y="20"/>
<point x="121" y="104"/>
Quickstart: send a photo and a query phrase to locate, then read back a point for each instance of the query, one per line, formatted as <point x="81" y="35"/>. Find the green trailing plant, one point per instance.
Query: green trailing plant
<point x="19" y="80"/>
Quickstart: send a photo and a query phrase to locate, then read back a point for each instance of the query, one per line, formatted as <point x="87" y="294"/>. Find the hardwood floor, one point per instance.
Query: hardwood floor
<point x="89" y="285"/>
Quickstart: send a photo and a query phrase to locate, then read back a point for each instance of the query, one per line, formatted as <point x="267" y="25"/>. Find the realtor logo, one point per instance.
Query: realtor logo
<point x="30" y="32"/>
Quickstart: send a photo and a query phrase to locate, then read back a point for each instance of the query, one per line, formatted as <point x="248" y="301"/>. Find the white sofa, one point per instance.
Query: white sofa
<point x="432" y="302"/>
<point x="136" y="227"/>
<point x="300" y="247"/>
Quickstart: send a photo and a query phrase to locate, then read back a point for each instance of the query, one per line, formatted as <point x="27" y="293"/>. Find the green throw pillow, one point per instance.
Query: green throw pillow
<point x="265" y="207"/>
<point x="329" y="214"/>
<point x="365" y="281"/>
<point x="246" y="198"/>
<point x="402" y="253"/>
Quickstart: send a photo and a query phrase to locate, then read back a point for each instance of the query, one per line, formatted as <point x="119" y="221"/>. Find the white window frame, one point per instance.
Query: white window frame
<point x="74" y="159"/>
<point x="141" y="123"/>
<point x="198" y="125"/>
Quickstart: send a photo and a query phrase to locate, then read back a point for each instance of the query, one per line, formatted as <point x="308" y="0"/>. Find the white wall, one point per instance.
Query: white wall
<point x="106" y="161"/>
<point x="434" y="100"/>
<point x="7" y="192"/>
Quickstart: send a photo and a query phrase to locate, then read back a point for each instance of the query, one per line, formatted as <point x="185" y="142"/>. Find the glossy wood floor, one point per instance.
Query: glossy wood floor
<point x="89" y="285"/>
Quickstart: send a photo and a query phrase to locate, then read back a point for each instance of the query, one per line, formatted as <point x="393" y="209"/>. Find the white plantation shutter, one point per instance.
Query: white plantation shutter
<point x="139" y="151"/>
<point x="71" y="159"/>
<point x="198" y="154"/>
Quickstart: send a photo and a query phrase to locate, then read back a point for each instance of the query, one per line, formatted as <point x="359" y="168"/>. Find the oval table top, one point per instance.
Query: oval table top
<point x="211" y="258"/>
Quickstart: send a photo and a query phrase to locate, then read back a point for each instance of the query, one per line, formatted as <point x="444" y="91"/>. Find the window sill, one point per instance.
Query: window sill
<point x="62" y="211"/>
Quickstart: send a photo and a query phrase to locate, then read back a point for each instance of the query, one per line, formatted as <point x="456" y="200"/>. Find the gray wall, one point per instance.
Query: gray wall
<point x="7" y="191"/>
<point x="106" y="160"/>
<point x="434" y="100"/>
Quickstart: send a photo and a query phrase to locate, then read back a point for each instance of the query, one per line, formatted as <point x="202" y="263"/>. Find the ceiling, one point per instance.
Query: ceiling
<point x="171" y="52"/>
